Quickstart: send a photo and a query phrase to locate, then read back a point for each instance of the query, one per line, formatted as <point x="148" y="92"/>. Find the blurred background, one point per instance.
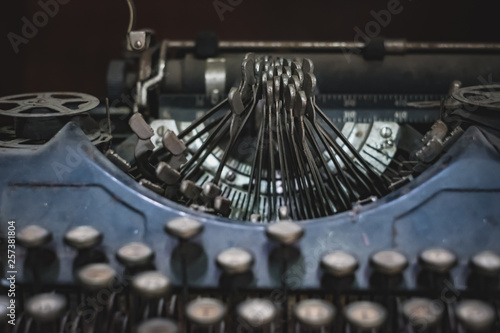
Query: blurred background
<point x="71" y="51"/>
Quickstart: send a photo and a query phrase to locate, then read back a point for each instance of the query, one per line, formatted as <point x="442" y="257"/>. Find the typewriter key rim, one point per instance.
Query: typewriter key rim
<point x="96" y="276"/>
<point x="359" y="319"/>
<point x="314" y="312"/>
<point x="33" y="236"/>
<point x="285" y="232"/>
<point x="389" y="262"/>
<point x="46" y="307"/>
<point x="155" y="325"/>
<point x="235" y="260"/>
<point x="83" y="237"/>
<point x="197" y="311"/>
<point x="467" y="313"/>
<point x="135" y="254"/>
<point x="184" y="228"/>
<point x="339" y="263"/>
<point x="486" y="262"/>
<point x="151" y="284"/>
<point x="420" y="311"/>
<point x="437" y="259"/>
<point x="257" y="312"/>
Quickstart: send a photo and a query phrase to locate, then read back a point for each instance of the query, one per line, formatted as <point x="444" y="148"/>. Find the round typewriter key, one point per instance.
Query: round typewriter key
<point x="33" y="236"/>
<point x="389" y="262"/>
<point x="365" y="315"/>
<point x="235" y="260"/>
<point x="157" y="325"/>
<point x="339" y="263"/>
<point x="257" y="312"/>
<point x="183" y="227"/>
<point x="314" y="312"/>
<point x="46" y="307"/>
<point x="83" y="237"/>
<point x="285" y="232"/>
<point x="96" y="276"/>
<point x="486" y="263"/>
<point x="475" y="315"/>
<point x="438" y="260"/>
<point x="135" y="254"/>
<point x="205" y="311"/>
<point x="151" y="284"/>
<point x="4" y="303"/>
<point x="422" y="312"/>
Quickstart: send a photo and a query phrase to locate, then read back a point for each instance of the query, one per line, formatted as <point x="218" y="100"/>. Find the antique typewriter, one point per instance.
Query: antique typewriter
<point x="257" y="187"/>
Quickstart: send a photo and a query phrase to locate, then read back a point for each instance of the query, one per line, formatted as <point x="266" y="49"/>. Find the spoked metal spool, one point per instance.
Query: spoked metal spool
<point x="266" y="152"/>
<point x="477" y="105"/>
<point x="487" y="96"/>
<point x="49" y="104"/>
<point x="38" y="116"/>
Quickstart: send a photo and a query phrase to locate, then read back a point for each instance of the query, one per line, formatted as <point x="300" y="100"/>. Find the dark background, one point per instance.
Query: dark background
<point x="72" y="51"/>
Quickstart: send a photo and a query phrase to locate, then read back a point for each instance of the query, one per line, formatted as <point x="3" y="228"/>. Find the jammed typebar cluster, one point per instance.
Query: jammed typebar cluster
<point x="301" y="165"/>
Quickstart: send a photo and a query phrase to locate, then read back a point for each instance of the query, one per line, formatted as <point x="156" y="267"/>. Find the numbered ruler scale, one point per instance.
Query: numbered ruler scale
<point x="341" y="108"/>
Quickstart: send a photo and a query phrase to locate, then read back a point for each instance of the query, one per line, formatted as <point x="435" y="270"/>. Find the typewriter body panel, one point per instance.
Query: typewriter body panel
<point x="259" y="170"/>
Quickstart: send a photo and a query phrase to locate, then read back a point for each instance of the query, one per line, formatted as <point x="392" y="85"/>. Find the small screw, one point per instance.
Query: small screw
<point x="138" y="45"/>
<point x="230" y="176"/>
<point x="386" y="132"/>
